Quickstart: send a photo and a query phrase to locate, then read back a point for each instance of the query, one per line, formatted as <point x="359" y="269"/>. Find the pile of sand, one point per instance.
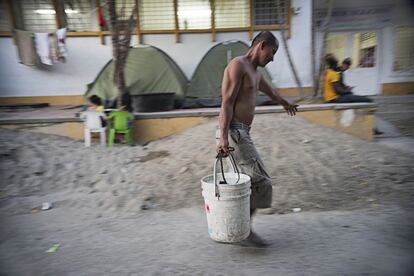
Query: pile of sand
<point x="312" y="167"/>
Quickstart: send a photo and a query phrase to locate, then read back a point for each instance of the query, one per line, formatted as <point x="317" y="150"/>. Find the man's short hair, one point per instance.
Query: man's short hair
<point x="347" y="61"/>
<point x="265" y="36"/>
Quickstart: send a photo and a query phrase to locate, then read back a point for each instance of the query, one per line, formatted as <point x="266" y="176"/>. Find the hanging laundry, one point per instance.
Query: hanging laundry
<point x="42" y="44"/>
<point x="25" y="47"/>
<point x="63" y="50"/>
<point x="101" y="18"/>
<point x="54" y="48"/>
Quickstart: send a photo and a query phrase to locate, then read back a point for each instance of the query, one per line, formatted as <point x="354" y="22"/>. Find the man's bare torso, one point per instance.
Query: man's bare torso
<point x="246" y="99"/>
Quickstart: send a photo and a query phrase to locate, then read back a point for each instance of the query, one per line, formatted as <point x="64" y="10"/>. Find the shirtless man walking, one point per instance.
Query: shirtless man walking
<point x="240" y="85"/>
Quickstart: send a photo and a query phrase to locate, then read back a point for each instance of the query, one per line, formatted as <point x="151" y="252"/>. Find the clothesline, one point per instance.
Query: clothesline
<point x="44" y="47"/>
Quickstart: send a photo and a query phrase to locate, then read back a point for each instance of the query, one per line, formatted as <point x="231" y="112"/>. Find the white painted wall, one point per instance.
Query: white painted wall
<point x="300" y="49"/>
<point x="402" y="14"/>
<point x="193" y="47"/>
<point x="87" y="56"/>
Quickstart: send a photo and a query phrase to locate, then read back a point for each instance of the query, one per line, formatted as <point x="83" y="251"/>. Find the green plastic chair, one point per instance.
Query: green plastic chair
<point x="120" y="122"/>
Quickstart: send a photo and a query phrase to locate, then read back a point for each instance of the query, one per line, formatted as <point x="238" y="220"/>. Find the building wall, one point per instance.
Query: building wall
<point x="87" y="56"/>
<point x="198" y="45"/>
<point x="401" y="14"/>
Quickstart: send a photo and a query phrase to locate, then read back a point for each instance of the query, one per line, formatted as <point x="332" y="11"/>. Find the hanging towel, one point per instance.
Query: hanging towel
<point x="101" y="18"/>
<point x="25" y="47"/>
<point x="43" y="47"/>
<point x="61" y="36"/>
<point x="54" y="49"/>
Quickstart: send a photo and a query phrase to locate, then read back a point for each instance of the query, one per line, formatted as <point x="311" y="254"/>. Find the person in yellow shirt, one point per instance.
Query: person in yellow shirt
<point x="334" y="90"/>
<point x="331" y="77"/>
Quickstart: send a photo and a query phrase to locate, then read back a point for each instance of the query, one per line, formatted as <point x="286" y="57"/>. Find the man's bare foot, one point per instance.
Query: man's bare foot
<point x="254" y="240"/>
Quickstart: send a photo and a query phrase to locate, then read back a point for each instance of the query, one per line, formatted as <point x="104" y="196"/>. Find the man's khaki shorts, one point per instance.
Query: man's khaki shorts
<point x="250" y="163"/>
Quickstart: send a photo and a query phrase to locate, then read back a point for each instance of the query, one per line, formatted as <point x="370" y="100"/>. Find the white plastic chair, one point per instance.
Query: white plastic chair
<point x="93" y="123"/>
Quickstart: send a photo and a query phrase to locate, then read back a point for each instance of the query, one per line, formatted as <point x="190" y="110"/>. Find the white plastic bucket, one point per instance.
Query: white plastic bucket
<point x="227" y="206"/>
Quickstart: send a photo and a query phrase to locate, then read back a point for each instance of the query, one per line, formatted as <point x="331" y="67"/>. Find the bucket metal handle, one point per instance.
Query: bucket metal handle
<point x="220" y="157"/>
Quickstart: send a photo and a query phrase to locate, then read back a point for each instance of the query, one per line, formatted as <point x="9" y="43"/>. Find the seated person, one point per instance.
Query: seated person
<point x="346" y="63"/>
<point x="127" y="106"/>
<point x="334" y="90"/>
<point x="124" y="112"/>
<point x="95" y="104"/>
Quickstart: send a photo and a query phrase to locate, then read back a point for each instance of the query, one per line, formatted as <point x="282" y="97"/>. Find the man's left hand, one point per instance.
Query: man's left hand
<point x="291" y="109"/>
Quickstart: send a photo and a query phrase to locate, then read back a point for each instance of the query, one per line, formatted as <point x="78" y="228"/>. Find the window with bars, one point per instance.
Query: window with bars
<point x="4" y="18"/>
<point x="232" y="14"/>
<point x="270" y="12"/>
<point x="367" y="49"/>
<point x="38" y="15"/>
<point x="78" y="15"/>
<point x="156" y="14"/>
<point x="368" y="39"/>
<point x="194" y="14"/>
<point x="404" y="49"/>
<point x="125" y="8"/>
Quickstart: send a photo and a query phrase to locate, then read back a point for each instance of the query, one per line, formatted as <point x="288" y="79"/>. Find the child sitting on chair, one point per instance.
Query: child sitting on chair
<point x="127" y="106"/>
<point x="95" y="104"/>
<point x="124" y="112"/>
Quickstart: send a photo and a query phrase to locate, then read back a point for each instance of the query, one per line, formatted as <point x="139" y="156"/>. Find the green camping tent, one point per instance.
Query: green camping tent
<point x="148" y="70"/>
<point x="206" y="80"/>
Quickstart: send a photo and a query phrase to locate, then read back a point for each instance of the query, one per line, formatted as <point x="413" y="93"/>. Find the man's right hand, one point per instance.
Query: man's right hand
<point x="223" y="146"/>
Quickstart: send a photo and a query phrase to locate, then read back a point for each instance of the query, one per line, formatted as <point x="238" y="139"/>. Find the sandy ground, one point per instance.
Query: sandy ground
<point x="366" y="242"/>
<point x="126" y="210"/>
